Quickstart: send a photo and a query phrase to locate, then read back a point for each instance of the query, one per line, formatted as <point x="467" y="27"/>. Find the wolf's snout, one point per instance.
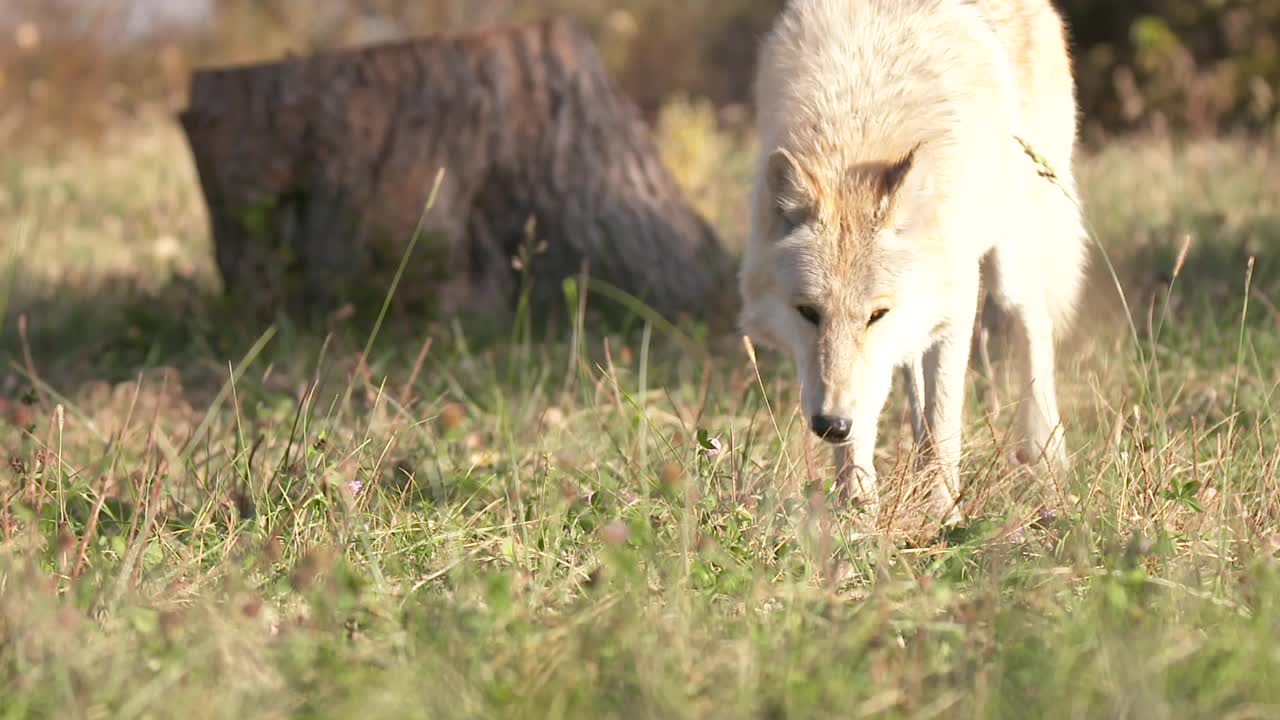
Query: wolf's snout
<point x="832" y="429"/>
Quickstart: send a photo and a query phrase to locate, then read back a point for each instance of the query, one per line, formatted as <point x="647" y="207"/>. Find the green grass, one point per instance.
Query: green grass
<point x="204" y="517"/>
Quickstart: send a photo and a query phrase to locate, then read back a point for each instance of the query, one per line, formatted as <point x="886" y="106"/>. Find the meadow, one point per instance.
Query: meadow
<point x="207" y="517"/>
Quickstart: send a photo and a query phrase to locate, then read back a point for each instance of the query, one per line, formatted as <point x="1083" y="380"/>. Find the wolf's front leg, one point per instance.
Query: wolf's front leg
<point x="856" y="473"/>
<point x="945" y="366"/>
<point x="1041" y="426"/>
<point x="913" y="380"/>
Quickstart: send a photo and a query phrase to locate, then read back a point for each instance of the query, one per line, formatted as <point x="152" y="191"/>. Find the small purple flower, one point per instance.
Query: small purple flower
<point x="1045" y="516"/>
<point x="1145" y="545"/>
<point x="355" y="486"/>
<point x="616" y="532"/>
<point x="708" y="445"/>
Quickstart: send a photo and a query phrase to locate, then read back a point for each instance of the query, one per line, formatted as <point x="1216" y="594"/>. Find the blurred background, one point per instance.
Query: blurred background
<point x="1193" y="67"/>
<point x="104" y="212"/>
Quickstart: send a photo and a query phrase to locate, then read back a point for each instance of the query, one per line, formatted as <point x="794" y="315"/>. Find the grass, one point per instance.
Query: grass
<point x="204" y="517"/>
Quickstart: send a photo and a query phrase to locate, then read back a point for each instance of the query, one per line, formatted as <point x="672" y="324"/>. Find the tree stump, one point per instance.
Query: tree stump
<point x="316" y="172"/>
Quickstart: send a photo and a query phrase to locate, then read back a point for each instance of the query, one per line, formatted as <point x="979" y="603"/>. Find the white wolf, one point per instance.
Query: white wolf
<point x="893" y="180"/>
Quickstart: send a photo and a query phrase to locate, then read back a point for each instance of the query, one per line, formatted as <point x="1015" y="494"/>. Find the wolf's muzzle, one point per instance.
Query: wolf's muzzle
<point x="832" y="429"/>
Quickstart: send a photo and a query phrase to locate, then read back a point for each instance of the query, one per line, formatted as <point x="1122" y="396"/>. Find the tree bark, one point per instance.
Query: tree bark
<point x="316" y="171"/>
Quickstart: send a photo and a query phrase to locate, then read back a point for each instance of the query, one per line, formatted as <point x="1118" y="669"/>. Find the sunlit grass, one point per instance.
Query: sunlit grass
<point x="195" y="528"/>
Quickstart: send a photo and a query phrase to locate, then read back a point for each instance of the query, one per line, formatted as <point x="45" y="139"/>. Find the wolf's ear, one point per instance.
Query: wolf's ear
<point x="783" y="179"/>
<point x="897" y="173"/>
<point x="892" y="180"/>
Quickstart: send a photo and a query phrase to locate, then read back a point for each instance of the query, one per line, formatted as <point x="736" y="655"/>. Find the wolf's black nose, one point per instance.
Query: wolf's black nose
<point x="832" y="429"/>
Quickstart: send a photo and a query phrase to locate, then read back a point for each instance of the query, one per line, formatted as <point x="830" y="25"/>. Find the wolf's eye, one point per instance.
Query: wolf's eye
<point x="792" y="218"/>
<point x="810" y="313"/>
<point x="877" y="315"/>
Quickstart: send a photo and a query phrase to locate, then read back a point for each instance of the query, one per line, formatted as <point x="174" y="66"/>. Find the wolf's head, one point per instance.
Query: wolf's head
<point x="840" y="272"/>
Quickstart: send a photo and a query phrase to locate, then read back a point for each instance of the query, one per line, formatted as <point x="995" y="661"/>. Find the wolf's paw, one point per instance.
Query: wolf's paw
<point x="949" y="513"/>
<point x="1042" y="445"/>
<point x="862" y="496"/>
<point x="1047" y="454"/>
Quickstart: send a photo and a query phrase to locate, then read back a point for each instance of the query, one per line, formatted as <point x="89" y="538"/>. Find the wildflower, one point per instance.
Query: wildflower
<point x="1046" y="516"/>
<point x="710" y="446"/>
<point x="452" y="416"/>
<point x="616" y="532"/>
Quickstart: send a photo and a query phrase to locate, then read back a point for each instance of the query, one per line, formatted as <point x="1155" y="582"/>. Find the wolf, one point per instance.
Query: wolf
<point x="912" y="154"/>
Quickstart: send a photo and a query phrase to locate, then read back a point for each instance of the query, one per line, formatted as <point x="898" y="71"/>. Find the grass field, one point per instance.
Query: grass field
<point x="207" y="518"/>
